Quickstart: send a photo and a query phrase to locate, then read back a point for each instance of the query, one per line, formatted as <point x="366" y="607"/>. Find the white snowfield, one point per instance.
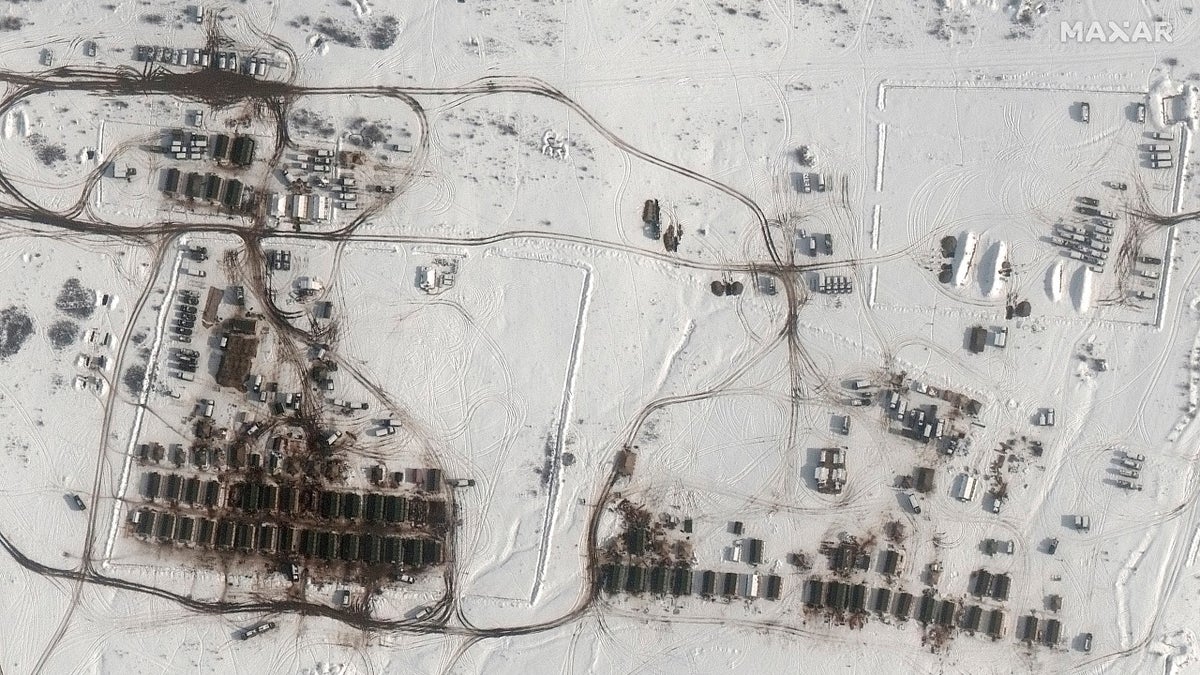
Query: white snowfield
<point x="939" y="255"/>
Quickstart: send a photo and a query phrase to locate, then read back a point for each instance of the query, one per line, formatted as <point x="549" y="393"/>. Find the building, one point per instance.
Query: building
<point x="237" y="360"/>
<point x="212" y="187"/>
<point x="244" y="326"/>
<point x="309" y="285"/>
<point x="210" y="306"/>
<point x="171" y="185"/>
<point x="890" y="562"/>
<point x="195" y="185"/>
<point x="233" y="195"/>
<point x="243" y="151"/>
<point x="754" y="551"/>
<point x="318" y="207"/>
<point x="924" y="482"/>
<point x="977" y="339"/>
<point x="221" y="148"/>
<point x="830" y="472"/>
<point x="298" y="207"/>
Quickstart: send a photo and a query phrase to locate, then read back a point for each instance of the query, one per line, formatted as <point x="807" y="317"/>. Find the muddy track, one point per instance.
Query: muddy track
<point x="221" y="89"/>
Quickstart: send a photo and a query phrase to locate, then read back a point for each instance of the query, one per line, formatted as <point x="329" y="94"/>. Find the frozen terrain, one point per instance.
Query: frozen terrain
<point x="493" y="333"/>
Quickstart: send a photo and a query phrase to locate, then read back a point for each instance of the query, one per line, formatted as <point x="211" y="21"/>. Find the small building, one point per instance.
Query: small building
<point x="972" y="618"/>
<point x="729" y="584"/>
<point x="983" y="583"/>
<point x="924" y="479"/>
<point x="977" y="339"/>
<point x="890" y="562"/>
<point x="212" y="187"/>
<point x="857" y="601"/>
<point x="995" y="626"/>
<point x="233" y="195"/>
<point x="309" y="285"/>
<point x="318" y="207"/>
<point x="774" y="587"/>
<point x="242" y="326"/>
<point x="298" y="207"/>
<point x="635" y="580"/>
<point x="210" y="305"/>
<point x="1029" y="628"/>
<point x="1000" y="587"/>
<point x="195" y="185"/>
<point x="925" y="609"/>
<point x="1053" y="632"/>
<point x="837" y="596"/>
<point x="636" y="540"/>
<point x="243" y="150"/>
<point x="611" y="577"/>
<point x="946" y="613"/>
<point x="904" y="603"/>
<point x="659" y="580"/>
<point x="221" y="147"/>
<point x="171" y="183"/>
<point x="237" y="360"/>
<point x="883" y="600"/>
<point x="830" y="472"/>
<point x="754" y="551"/>
<point x="814" y="593"/>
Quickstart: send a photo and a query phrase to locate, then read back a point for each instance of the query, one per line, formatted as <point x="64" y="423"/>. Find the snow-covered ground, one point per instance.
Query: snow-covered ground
<point x="950" y="141"/>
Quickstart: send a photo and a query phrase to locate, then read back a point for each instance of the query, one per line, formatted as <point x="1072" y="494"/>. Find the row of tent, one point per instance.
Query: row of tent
<point x="269" y="538"/>
<point x="262" y="497"/>
<point x="210" y="187"/>
<point x="681" y="581"/>
<point x="991" y="585"/>
<point x="1049" y="632"/>
<point x="844" y="597"/>
<point x="176" y="488"/>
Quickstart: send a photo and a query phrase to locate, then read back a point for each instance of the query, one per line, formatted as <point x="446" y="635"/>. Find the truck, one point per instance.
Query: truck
<point x="1161" y="136"/>
<point x="893" y="399"/>
<point x="1085" y="112"/>
<point x="911" y="499"/>
<point x="257" y="629"/>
